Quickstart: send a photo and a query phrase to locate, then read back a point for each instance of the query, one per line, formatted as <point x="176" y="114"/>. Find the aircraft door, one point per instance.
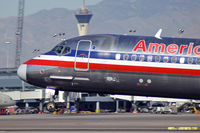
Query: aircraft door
<point x="82" y="55"/>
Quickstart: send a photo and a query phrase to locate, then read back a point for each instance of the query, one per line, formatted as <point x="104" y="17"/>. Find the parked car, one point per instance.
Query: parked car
<point x="27" y="110"/>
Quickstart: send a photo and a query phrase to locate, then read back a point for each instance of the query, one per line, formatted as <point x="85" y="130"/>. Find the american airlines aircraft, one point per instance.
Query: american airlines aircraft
<point x="119" y="64"/>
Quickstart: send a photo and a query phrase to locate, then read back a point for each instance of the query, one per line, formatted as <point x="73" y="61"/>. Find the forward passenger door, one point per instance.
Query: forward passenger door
<point x="82" y="55"/>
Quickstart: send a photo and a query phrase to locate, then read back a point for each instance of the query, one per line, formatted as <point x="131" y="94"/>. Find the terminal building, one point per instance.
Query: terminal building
<point x="23" y="93"/>
<point x="27" y="95"/>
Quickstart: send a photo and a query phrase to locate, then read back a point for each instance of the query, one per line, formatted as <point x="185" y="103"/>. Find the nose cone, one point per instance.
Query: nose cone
<point x="21" y="72"/>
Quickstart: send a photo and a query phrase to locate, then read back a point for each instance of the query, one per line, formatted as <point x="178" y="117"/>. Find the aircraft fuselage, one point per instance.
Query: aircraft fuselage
<point x="119" y="64"/>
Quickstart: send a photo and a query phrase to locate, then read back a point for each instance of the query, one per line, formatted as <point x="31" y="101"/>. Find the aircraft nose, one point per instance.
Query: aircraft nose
<point x="21" y="72"/>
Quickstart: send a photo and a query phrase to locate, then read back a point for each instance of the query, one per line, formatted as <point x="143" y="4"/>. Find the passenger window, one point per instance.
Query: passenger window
<point x="117" y="56"/>
<point x="165" y="59"/>
<point x="141" y="58"/>
<point x="182" y="60"/>
<point x="198" y="61"/>
<point x="190" y="60"/>
<point x="149" y="58"/>
<point x="134" y="57"/>
<point x="157" y="58"/>
<point x="174" y="59"/>
<point x="125" y="56"/>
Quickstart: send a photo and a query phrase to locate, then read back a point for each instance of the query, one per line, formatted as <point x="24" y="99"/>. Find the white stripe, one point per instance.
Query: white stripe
<point x="80" y="78"/>
<point x="61" y="77"/>
<point x="55" y="57"/>
<point x="120" y="62"/>
<point x="146" y="64"/>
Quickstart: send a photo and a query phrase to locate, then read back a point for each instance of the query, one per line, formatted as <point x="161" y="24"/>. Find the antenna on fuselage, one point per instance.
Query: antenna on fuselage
<point x="158" y="34"/>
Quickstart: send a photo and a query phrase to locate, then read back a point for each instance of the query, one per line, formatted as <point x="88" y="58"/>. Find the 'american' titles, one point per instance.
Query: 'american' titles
<point x="170" y="49"/>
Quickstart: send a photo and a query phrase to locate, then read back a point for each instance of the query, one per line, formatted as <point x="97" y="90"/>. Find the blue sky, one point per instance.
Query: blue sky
<point x="10" y="7"/>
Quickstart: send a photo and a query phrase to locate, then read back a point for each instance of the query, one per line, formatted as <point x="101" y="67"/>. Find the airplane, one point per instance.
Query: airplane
<point x="119" y="64"/>
<point x="6" y="101"/>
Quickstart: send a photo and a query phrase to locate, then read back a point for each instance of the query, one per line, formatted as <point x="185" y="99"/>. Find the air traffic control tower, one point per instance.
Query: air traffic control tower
<point x="83" y="17"/>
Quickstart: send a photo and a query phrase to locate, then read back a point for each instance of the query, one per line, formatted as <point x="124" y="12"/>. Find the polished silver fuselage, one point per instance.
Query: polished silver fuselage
<point x="131" y="65"/>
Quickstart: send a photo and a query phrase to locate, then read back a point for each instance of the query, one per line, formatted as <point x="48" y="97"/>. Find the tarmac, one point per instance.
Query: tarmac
<point x="95" y="123"/>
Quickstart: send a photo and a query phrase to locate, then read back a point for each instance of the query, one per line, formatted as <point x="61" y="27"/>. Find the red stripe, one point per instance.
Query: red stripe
<point x="81" y="65"/>
<point x="115" y="67"/>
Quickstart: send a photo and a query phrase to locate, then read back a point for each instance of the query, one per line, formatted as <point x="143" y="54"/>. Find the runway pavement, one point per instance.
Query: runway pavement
<point x="124" y="122"/>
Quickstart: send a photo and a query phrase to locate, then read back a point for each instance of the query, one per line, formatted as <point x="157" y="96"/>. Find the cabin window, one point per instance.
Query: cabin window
<point x="134" y="57"/>
<point x="157" y="58"/>
<point x="190" y="60"/>
<point x="165" y="59"/>
<point x="125" y="56"/>
<point x="173" y="59"/>
<point x="182" y="60"/>
<point x="149" y="58"/>
<point x="117" y="56"/>
<point x="141" y="58"/>
<point x="198" y="61"/>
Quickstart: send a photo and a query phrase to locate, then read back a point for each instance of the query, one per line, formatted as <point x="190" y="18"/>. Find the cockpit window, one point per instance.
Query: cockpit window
<point x="62" y="50"/>
<point x="58" y="49"/>
<point x="66" y="50"/>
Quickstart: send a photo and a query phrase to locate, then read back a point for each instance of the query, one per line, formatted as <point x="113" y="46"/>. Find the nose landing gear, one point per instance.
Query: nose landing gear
<point x="51" y="106"/>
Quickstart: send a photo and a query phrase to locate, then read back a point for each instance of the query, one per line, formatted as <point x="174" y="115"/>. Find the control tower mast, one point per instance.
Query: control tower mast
<point x="83" y="17"/>
<point x="19" y="34"/>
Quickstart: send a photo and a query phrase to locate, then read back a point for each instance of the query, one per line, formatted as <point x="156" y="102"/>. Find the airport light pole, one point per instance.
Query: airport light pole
<point x="7" y="53"/>
<point x="59" y="36"/>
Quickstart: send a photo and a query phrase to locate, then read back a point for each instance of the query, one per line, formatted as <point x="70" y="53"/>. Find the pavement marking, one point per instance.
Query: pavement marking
<point x="184" y="128"/>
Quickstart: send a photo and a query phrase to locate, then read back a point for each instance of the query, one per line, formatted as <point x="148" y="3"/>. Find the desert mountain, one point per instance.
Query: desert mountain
<point x="109" y="16"/>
